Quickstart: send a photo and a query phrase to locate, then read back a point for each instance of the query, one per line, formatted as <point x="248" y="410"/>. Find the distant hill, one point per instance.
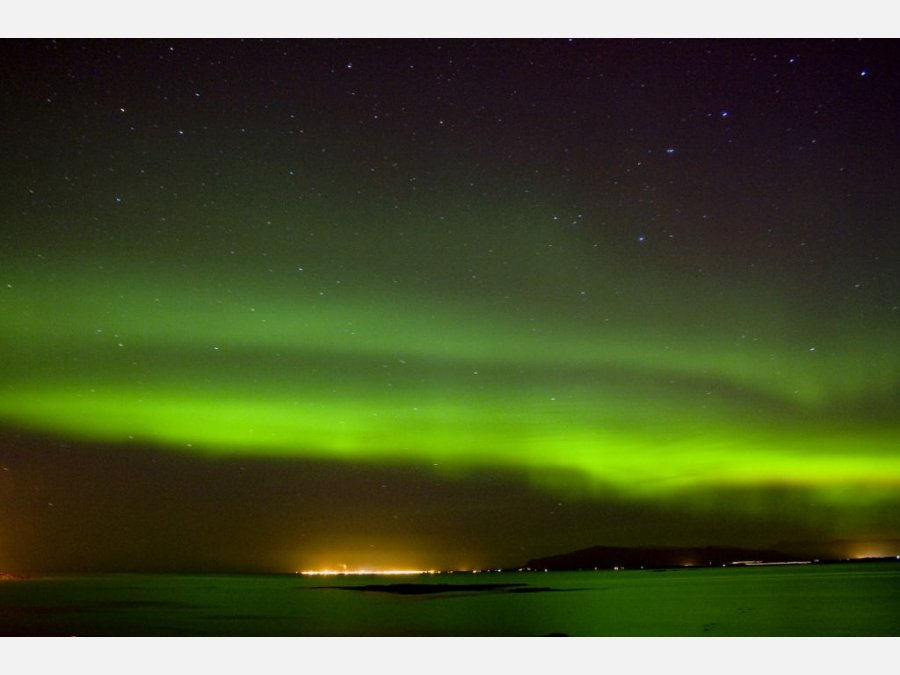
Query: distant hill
<point x="607" y="557"/>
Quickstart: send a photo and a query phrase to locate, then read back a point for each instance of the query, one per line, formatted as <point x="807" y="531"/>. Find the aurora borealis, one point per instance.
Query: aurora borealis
<point x="438" y="303"/>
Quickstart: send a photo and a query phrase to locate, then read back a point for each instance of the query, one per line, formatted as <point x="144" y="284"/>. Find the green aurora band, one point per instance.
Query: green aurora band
<point x="641" y="379"/>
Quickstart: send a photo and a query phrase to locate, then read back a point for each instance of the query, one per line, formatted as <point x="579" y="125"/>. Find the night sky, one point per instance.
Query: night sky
<point x="270" y="305"/>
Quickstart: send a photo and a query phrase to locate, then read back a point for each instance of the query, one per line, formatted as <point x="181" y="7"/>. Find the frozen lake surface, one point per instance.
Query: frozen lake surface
<point x="802" y="600"/>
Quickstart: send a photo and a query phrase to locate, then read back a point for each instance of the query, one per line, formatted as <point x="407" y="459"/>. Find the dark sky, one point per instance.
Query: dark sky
<point x="282" y="304"/>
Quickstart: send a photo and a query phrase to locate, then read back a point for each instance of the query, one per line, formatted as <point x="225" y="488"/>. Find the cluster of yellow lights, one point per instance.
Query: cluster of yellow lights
<point x="328" y="573"/>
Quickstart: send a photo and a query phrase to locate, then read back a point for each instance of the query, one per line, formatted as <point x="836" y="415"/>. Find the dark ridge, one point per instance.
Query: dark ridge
<point x="607" y="557"/>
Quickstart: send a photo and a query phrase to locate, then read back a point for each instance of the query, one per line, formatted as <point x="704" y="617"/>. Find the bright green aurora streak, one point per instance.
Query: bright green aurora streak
<point x="640" y="379"/>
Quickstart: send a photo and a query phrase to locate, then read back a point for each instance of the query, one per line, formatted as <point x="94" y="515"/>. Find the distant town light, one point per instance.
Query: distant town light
<point x="329" y="573"/>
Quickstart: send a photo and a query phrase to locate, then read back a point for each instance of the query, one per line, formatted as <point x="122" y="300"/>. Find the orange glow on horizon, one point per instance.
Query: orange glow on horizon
<point x="363" y="572"/>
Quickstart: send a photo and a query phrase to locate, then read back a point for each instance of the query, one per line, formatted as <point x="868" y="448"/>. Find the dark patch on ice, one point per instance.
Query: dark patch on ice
<point x="426" y="589"/>
<point x="541" y="589"/>
<point x="434" y="589"/>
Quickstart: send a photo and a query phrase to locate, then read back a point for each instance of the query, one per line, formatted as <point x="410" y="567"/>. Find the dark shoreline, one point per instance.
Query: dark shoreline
<point x="649" y="567"/>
